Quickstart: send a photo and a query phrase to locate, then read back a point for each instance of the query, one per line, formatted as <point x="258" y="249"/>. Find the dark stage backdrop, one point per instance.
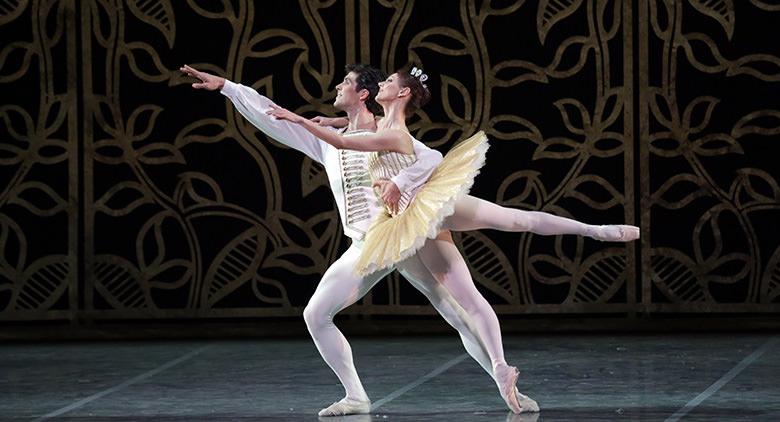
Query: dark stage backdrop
<point x="125" y="194"/>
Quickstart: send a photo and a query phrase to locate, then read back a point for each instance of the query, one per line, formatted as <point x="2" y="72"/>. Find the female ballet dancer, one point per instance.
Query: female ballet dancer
<point x="423" y="218"/>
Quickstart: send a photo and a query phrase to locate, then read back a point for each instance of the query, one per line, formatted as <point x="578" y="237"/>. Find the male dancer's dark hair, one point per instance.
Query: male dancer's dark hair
<point x="368" y="79"/>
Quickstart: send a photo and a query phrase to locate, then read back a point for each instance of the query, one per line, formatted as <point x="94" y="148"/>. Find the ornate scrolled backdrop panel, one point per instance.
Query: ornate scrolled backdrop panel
<point x="126" y="194"/>
<point x="39" y="161"/>
<point x="708" y="86"/>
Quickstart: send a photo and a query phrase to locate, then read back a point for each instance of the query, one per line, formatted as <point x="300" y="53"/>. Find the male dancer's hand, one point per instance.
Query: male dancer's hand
<point x="208" y="81"/>
<point x="389" y="193"/>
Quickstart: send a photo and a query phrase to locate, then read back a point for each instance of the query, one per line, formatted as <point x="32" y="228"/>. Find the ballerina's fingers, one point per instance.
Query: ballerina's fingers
<point x="283" y="114"/>
<point x="275" y="111"/>
<point x="390" y="200"/>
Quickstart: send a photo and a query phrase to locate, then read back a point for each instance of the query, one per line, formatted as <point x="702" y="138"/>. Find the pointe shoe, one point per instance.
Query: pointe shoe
<point x="616" y="233"/>
<point x="527" y="404"/>
<point x="506" y="378"/>
<point x="346" y="406"/>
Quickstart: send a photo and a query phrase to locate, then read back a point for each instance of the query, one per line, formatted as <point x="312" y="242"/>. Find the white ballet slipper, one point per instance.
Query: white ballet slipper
<point x="346" y="406"/>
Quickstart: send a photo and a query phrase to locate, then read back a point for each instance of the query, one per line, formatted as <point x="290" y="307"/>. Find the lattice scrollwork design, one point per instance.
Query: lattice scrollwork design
<point x="596" y="133"/>
<point x="189" y="211"/>
<point x="38" y="173"/>
<point x="176" y="265"/>
<point x="703" y="173"/>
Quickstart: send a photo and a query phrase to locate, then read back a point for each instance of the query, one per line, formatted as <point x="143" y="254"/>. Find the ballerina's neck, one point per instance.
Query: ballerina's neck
<point x="388" y="122"/>
<point x="395" y="117"/>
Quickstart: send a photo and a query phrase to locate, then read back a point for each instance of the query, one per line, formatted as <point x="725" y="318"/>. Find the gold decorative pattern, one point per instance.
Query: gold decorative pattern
<point x="702" y="168"/>
<point x="125" y="194"/>
<point x="39" y="223"/>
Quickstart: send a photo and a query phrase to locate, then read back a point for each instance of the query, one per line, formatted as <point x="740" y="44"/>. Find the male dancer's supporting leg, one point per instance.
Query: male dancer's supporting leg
<point x="472" y="213"/>
<point x="339" y="288"/>
<point x="445" y="263"/>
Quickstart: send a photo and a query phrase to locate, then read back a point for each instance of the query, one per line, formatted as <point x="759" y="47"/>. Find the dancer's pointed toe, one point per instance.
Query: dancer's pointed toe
<point x="616" y="233"/>
<point x="506" y="378"/>
<point x="630" y="233"/>
<point x="527" y="404"/>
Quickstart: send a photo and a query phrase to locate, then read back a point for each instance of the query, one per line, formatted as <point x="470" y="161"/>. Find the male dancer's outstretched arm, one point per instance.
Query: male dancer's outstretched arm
<point x="254" y="106"/>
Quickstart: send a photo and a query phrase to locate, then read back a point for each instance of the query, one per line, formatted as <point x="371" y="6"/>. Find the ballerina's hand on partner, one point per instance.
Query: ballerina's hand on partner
<point x="281" y="113"/>
<point x="388" y="192"/>
<point x="336" y="122"/>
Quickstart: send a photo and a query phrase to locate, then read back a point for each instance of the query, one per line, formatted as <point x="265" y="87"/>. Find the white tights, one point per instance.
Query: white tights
<point x="472" y="213"/>
<point x="476" y="321"/>
<point x="441" y="274"/>
<point x="461" y="306"/>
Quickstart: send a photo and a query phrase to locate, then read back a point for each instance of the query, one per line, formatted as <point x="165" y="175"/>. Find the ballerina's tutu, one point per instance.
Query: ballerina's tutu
<point x="394" y="237"/>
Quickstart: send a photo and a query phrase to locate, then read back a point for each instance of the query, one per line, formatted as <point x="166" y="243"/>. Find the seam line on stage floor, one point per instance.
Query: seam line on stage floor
<point x="717" y="385"/>
<point x="403" y="390"/>
<point x="145" y="375"/>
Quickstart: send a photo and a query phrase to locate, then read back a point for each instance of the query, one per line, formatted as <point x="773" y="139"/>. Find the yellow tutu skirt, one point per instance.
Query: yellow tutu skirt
<point x="391" y="239"/>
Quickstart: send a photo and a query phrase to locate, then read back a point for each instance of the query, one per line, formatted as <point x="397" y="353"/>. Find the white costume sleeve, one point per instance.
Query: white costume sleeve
<point x="418" y="173"/>
<point x="253" y="106"/>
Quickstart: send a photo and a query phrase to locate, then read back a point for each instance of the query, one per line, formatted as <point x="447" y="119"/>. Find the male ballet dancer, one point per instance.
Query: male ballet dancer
<point x="465" y="309"/>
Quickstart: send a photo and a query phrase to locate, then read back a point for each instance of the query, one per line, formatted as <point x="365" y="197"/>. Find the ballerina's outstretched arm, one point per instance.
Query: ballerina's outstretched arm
<point x="334" y="122"/>
<point x="383" y="140"/>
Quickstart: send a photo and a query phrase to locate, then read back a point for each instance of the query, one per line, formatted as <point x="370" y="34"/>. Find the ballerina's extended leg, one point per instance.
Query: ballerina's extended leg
<point x="472" y="213"/>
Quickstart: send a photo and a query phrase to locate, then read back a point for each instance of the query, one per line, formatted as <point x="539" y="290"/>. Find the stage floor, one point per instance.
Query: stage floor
<point x="573" y="377"/>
